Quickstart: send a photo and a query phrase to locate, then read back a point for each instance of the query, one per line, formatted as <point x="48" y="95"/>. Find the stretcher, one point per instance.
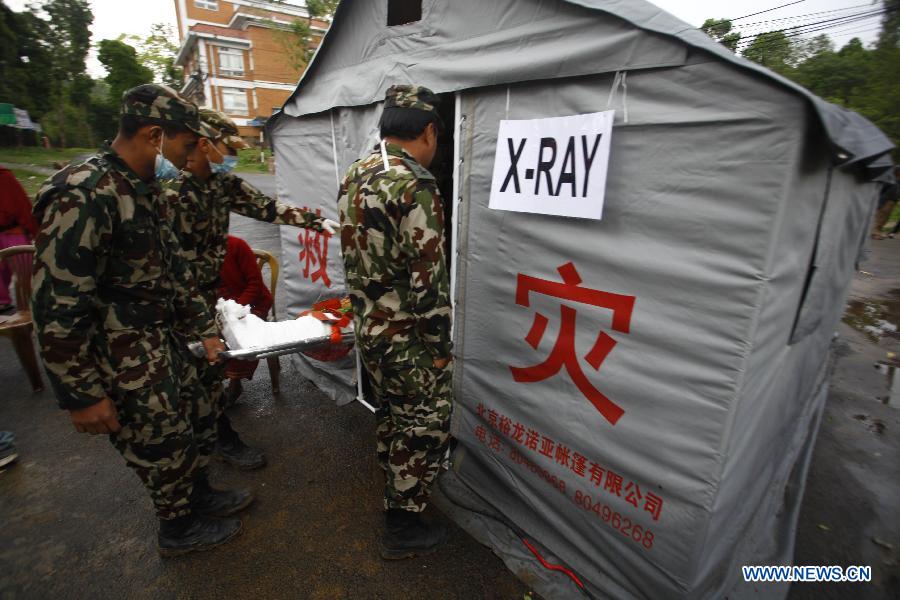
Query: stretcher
<point x="318" y="344"/>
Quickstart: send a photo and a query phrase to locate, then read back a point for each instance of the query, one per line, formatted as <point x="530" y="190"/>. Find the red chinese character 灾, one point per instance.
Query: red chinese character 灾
<point x="564" y="353"/>
<point x="314" y="253"/>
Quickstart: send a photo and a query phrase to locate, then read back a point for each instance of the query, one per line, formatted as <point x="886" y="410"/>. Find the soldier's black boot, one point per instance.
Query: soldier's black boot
<point x="406" y="535"/>
<point x="193" y="533"/>
<point x="233" y="451"/>
<point x="208" y="501"/>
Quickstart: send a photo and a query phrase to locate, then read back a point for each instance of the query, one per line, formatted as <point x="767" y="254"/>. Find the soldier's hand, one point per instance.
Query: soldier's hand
<point x="213" y="347"/>
<point x="440" y="363"/>
<point x="98" y="418"/>
<point x="330" y="226"/>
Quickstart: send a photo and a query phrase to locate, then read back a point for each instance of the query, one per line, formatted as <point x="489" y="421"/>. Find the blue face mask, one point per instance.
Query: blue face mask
<point x="164" y="167"/>
<point x="226" y="166"/>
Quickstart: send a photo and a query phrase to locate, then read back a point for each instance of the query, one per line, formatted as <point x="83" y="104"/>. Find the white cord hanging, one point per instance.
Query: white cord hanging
<point x="334" y="158"/>
<point x="620" y="81"/>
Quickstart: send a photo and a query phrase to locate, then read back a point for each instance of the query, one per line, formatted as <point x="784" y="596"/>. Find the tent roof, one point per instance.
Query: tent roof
<point x="854" y="138"/>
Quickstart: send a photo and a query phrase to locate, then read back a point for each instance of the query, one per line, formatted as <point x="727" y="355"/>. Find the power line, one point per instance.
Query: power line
<point x="767" y="10"/>
<point x="818" y="25"/>
<point x="804" y="16"/>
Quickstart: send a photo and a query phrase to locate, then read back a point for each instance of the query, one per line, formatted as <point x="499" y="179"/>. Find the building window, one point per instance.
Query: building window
<point x="402" y="12"/>
<point x="234" y="100"/>
<point x="231" y="62"/>
<point x="207" y="4"/>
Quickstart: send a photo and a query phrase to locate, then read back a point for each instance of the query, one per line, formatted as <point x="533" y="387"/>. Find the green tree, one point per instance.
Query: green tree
<point x="24" y="62"/>
<point x="299" y="41"/>
<point x="124" y="70"/>
<point x="773" y="50"/>
<point x="68" y="38"/>
<point x="721" y="31"/>
<point x="889" y="38"/>
<point x="157" y="51"/>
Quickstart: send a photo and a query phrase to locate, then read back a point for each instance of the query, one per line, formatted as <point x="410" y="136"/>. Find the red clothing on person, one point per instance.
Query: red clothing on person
<point x="17" y="227"/>
<point x="241" y="281"/>
<point x="15" y="207"/>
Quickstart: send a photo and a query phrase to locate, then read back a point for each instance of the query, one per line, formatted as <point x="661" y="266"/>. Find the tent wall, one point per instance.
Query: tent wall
<point x="313" y="154"/>
<point x="686" y="235"/>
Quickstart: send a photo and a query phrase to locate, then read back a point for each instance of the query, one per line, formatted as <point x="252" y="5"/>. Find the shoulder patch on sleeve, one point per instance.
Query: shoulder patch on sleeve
<point x="418" y="170"/>
<point x="84" y="175"/>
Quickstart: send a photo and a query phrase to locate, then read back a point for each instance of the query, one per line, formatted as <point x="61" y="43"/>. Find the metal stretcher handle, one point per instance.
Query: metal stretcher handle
<point x="196" y="348"/>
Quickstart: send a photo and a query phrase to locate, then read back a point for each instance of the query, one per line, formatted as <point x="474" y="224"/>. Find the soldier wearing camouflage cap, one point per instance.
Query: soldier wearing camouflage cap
<point x="109" y="287"/>
<point x="203" y="198"/>
<point x="394" y="250"/>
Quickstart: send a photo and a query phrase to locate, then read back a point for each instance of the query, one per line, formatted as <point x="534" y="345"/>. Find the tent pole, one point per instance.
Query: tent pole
<point x="456" y="200"/>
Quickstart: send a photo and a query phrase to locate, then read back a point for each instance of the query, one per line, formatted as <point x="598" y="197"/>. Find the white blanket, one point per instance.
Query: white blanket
<point x="243" y="330"/>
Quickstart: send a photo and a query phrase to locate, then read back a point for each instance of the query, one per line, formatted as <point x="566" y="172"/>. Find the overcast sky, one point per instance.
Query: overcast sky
<point x="114" y="17"/>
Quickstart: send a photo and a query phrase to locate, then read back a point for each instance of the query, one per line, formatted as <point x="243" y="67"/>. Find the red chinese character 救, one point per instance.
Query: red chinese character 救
<point x="314" y="254"/>
<point x="564" y="353"/>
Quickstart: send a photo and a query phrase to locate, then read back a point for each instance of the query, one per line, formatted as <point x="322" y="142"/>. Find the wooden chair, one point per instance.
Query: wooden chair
<point x="264" y="258"/>
<point x="18" y="326"/>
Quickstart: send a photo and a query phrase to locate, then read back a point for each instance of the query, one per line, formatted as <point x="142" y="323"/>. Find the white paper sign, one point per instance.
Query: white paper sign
<point x="554" y="166"/>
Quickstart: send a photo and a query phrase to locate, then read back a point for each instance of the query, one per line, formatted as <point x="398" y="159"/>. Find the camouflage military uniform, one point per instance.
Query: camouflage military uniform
<point x="108" y="286"/>
<point x="392" y="237"/>
<point x="202" y="212"/>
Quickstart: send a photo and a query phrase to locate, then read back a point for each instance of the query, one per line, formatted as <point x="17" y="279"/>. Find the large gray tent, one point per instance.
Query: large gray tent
<point x="737" y="205"/>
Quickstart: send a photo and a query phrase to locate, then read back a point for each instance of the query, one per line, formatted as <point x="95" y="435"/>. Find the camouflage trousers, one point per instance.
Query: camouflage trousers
<point x="164" y="428"/>
<point x="413" y="429"/>
<point x="201" y="383"/>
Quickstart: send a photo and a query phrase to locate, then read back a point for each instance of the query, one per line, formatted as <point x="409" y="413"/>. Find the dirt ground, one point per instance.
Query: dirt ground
<point x="75" y="523"/>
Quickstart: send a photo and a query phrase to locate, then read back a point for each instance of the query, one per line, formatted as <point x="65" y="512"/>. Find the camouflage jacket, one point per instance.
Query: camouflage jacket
<point x="109" y="282"/>
<point x="202" y="216"/>
<point x="392" y="238"/>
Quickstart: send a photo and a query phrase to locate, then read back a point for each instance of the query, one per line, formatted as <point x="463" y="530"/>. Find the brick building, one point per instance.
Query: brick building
<point x="233" y="58"/>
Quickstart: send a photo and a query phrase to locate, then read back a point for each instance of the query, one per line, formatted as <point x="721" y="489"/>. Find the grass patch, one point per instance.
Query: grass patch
<point x="30" y="180"/>
<point x="40" y="156"/>
<point x="249" y="161"/>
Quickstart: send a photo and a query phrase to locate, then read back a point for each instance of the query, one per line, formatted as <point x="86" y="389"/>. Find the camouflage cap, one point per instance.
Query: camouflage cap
<point x="226" y="128"/>
<point x="162" y="102"/>
<point x="411" y="96"/>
